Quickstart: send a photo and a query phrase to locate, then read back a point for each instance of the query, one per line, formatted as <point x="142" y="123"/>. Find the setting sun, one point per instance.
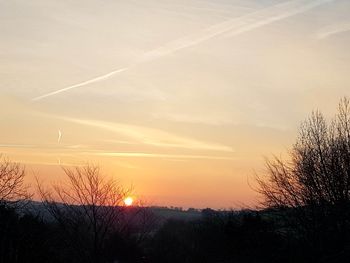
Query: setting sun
<point x="128" y="201"/>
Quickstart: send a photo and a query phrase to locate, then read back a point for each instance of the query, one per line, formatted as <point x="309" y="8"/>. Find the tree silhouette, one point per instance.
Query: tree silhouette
<point x="318" y="172"/>
<point x="88" y="208"/>
<point x="12" y="187"/>
<point x="313" y="185"/>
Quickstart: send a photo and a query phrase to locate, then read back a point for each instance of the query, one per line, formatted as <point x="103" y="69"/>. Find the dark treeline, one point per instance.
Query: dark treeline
<point x="245" y="236"/>
<point x="304" y="214"/>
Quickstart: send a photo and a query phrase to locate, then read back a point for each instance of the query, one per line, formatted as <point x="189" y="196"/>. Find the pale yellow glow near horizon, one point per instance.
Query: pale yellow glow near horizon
<point x="182" y="99"/>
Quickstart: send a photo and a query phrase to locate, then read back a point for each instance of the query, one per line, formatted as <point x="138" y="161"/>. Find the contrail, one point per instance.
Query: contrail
<point x="294" y="10"/>
<point x="208" y="33"/>
<point x="239" y="25"/>
<point x="59" y="136"/>
<point x="99" y="78"/>
<point x="333" y="30"/>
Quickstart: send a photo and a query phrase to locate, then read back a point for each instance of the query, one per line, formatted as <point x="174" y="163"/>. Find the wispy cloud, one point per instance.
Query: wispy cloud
<point x="17" y="146"/>
<point x="208" y="119"/>
<point x="235" y="26"/>
<point x="149" y="136"/>
<point x="157" y="155"/>
<point x="331" y="30"/>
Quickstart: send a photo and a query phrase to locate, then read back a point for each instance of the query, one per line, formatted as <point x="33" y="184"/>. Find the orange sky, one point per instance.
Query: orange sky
<point x="181" y="99"/>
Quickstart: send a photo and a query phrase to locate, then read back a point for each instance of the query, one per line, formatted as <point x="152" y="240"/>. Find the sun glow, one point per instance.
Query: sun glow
<point x="128" y="201"/>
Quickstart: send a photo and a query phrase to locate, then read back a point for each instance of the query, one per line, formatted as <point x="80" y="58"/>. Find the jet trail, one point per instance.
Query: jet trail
<point x="294" y="10"/>
<point x="333" y="30"/>
<point x="59" y="136"/>
<point x="100" y="78"/>
<point x="238" y="25"/>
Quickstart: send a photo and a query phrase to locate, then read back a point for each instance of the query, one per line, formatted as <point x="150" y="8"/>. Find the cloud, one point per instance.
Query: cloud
<point x="157" y="155"/>
<point x="149" y="136"/>
<point x="207" y="119"/>
<point x="17" y="146"/>
<point x="331" y="30"/>
<point x="238" y="25"/>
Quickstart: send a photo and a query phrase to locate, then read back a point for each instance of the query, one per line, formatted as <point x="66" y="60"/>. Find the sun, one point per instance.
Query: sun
<point x="128" y="201"/>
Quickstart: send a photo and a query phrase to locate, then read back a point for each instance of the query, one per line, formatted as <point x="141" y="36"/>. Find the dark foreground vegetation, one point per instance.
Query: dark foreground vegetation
<point x="305" y="213"/>
<point x="246" y="236"/>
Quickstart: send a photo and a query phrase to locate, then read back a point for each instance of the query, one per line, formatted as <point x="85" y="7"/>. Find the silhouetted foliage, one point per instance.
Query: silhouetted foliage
<point x="87" y="210"/>
<point x="24" y="238"/>
<point x="12" y="188"/>
<point x="318" y="172"/>
<point x="312" y="188"/>
<point x="219" y="237"/>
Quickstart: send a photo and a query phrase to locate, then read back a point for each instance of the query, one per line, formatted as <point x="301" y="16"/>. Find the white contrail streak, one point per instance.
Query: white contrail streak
<point x="99" y="78"/>
<point x="294" y="9"/>
<point x="333" y="30"/>
<point x="238" y="25"/>
<point x="59" y="136"/>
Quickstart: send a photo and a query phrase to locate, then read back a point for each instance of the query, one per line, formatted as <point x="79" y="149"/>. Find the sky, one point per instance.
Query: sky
<point x="181" y="99"/>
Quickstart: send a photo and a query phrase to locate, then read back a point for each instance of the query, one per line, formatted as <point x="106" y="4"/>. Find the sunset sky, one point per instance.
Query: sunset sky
<point x="183" y="99"/>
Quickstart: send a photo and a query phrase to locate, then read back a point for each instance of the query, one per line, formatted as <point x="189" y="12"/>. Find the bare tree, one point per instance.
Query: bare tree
<point x="88" y="208"/>
<point x="314" y="183"/>
<point x="12" y="187"/>
<point x="318" y="171"/>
